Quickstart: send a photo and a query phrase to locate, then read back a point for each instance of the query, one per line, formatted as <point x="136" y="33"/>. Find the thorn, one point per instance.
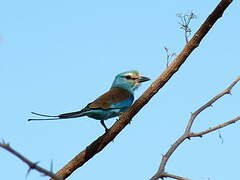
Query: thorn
<point x="33" y="165"/>
<point x="51" y="166"/>
<point x="220" y="136"/>
<point x="28" y="172"/>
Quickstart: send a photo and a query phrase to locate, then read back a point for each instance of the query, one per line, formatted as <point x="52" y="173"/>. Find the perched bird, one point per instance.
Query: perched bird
<point x="111" y="104"/>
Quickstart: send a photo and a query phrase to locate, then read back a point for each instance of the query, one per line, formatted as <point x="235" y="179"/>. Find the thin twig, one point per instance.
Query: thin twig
<point x="125" y="118"/>
<point x="187" y="134"/>
<point x="211" y="129"/>
<point x="166" y="175"/>
<point x="185" y="22"/>
<point x="31" y="165"/>
<point x="209" y="104"/>
<point x="169" y="55"/>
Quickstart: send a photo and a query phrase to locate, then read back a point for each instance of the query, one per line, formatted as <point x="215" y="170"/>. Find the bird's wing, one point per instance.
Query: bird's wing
<point x="114" y="98"/>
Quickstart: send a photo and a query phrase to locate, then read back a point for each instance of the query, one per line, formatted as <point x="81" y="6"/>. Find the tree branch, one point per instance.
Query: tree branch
<point x="208" y="104"/>
<point x="211" y="129"/>
<point x="166" y="175"/>
<point x="103" y="140"/>
<point x="187" y="134"/>
<point x="31" y="165"/>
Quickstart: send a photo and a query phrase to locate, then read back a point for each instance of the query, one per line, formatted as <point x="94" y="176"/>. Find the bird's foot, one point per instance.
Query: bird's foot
<point x="130" y="121"/>
<point x="106" y="130"/>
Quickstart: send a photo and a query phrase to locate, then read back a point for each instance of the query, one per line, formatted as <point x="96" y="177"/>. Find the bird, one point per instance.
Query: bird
<point x="111" y="104"/>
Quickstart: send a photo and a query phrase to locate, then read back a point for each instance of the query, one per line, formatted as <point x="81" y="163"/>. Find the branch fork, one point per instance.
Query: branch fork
<point x="188" y="134"/>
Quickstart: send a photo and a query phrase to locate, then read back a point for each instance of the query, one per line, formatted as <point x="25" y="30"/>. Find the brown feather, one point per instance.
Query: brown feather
<point x="114" y="95"/>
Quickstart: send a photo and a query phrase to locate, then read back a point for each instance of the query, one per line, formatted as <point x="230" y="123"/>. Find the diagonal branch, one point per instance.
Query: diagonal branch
<point x="211" y="129"/>
<point x="209" y="104"/>
<point x="31" y="165"/>
<point x="187" y="134"/>
<point x="105" y="139"/>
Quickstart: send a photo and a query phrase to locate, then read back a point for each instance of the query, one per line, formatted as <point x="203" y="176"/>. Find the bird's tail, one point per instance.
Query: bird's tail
<point x="57" y="117"/>
<point x="50" y="117"/>
<point x="72" y="114"/>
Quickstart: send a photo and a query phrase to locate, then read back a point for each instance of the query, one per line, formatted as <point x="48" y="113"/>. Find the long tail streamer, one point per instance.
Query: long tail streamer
<point x="44" y="119"/>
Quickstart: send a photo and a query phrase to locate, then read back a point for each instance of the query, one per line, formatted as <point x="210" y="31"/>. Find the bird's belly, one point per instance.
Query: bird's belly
<point x="103" y="114"/>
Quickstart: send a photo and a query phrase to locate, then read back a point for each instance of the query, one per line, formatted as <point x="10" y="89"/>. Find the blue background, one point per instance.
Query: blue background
<point x="57" y="56"/>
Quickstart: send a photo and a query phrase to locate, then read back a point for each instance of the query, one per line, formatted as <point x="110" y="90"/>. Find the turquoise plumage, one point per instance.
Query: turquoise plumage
<point x="112" y="103"/>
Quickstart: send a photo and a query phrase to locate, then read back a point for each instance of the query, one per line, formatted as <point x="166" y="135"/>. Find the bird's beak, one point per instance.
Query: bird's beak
<point x="143" y="79"/>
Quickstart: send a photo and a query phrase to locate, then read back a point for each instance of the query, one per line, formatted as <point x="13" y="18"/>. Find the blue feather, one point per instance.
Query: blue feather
<point x="112" y="103"/>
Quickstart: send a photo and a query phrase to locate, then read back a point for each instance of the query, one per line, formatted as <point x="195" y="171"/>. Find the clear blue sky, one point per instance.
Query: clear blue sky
<point x="57" y="56"/>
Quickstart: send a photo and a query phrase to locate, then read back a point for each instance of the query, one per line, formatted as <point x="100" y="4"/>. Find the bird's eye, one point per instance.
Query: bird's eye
<point x="128" y="77"/>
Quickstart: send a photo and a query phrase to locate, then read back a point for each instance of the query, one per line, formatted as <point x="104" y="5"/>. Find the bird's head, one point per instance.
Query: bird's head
<point x="129" y="80"/>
